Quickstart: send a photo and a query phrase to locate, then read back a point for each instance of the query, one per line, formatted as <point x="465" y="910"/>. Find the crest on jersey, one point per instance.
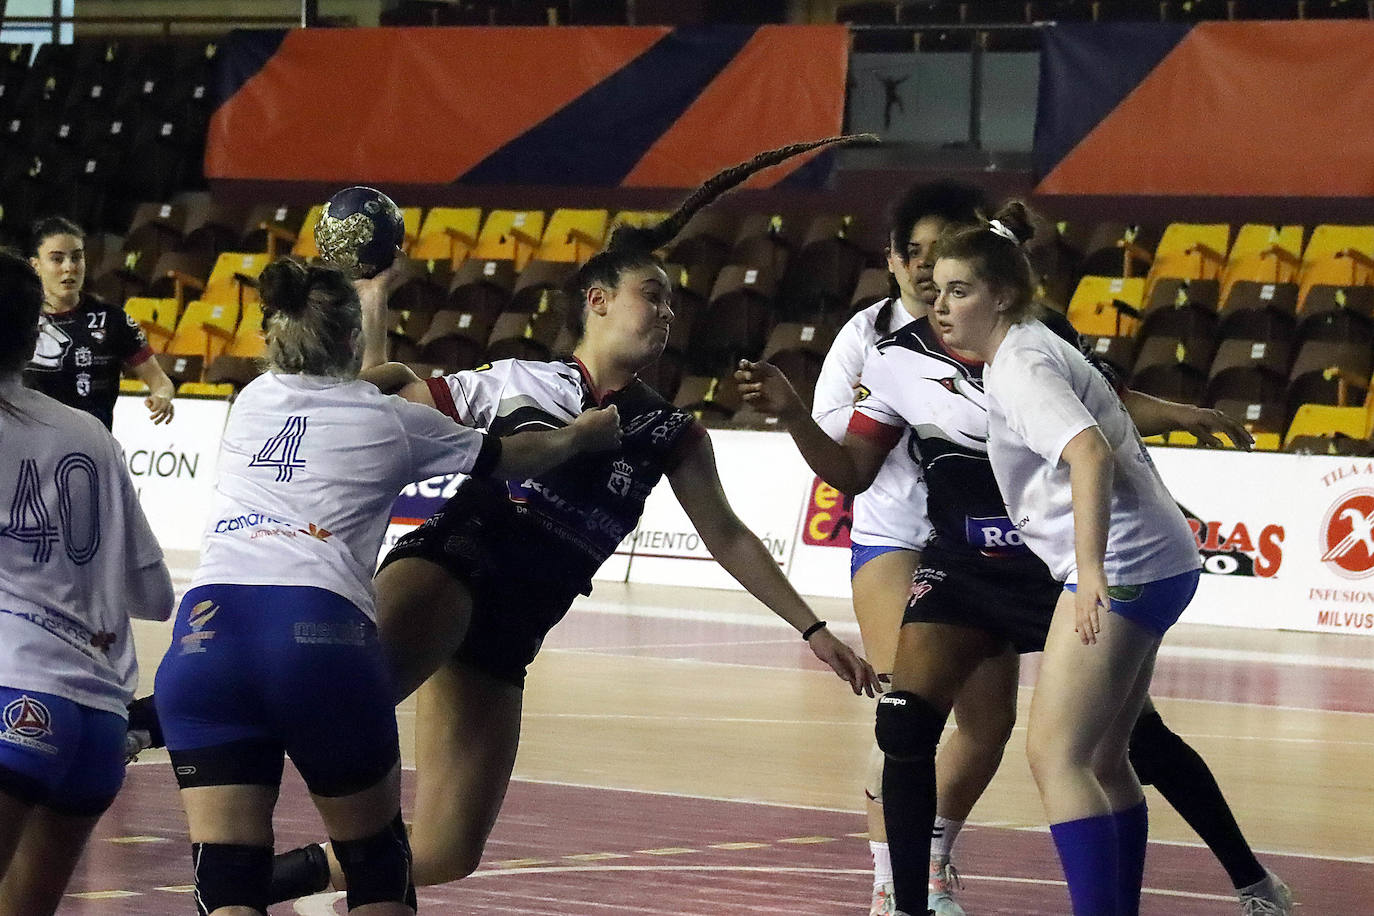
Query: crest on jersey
<point x="1347" y="535"/>
<point x="27" y="722"/>
<point x="53" y="344"/>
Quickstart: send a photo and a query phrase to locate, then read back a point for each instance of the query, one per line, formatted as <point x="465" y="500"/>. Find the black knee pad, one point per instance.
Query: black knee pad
<point x="1152" y="746"/>
<point x="377" y="867"/>
<point x="908" y="726"/>
<point x="231" y="875"/>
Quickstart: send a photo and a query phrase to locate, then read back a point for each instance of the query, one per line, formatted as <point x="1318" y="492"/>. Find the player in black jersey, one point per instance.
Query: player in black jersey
<point x="978" y="592"/>
<point x="83" y="342"/>
<point x="465" y="600"/>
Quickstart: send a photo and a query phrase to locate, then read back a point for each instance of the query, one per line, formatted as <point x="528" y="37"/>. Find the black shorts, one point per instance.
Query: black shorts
<point x="522" y="580"/>
<point x="1011" y="597"/>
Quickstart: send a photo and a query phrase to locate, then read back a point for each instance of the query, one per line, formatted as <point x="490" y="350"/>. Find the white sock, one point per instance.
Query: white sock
<point x="882" y="864"/>
<point x="942" y="838"/>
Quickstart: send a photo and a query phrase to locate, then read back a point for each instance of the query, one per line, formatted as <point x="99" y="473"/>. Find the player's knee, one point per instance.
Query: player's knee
<point x="991" y="728"/>
<point x="377" y="868"/>
<point x="1152" y="745"/>
<point x="231" y="875"/>
<point x="908" y="726"/>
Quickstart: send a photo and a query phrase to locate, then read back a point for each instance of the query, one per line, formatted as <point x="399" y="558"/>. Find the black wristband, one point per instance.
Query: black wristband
<point x="811" y="630"/>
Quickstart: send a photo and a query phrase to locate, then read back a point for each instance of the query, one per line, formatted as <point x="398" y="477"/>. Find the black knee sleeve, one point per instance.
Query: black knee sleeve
<point x="231" y="875"/>
<point x="908" y="726"/>
<point x="377" y="867"/>
<point x="143" y="716"/>
<point x="1152" y="746"/>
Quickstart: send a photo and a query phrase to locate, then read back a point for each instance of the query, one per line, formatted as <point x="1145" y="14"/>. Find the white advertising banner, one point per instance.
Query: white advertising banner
<point x="173" y="465"/>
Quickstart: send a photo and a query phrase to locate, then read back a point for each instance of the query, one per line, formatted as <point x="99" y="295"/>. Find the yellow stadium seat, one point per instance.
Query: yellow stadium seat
<point x="412" y="217"/>
<point x="206" y="390"/>
<point x="248" y="340"/>
<point x="234" y="278"/>
<point x="447" y="233"/>
<point x="1337" y="255"/>
<point x="1266" y="442"/>
<point x="1264" y="254"/>
<point x="573" y="235"/>
<point x="1190" y="251"/>
<point x="1092" y="309"/>
<point x="638" y="218"/>
<point x="205" y="329"/>
<point x="511" y="235"/>
<point x="305" y="239"/>
<point x="157" y="317"/>
<point x="132" y="386"/>
<point x="1325" y="420"/>
<point x="1347" y="268"/>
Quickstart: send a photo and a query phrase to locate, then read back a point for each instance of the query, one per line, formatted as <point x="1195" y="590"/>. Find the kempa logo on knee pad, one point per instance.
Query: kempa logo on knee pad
<point x="891" y="700"/>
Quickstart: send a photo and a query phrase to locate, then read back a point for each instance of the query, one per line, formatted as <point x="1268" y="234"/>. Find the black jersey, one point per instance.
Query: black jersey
<point x="575" y="515"/>
<point x="81" y="353"/>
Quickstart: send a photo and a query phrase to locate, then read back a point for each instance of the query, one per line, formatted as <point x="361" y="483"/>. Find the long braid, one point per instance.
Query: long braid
<point x="651" y="238"/>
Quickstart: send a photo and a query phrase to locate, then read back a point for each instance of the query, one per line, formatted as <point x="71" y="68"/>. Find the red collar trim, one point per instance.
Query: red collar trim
<point x="597" y="394"/>
<point x="941" y="341"/>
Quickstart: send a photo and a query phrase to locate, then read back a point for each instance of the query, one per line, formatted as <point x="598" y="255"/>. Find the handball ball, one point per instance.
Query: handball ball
<point x="359" y="231"/>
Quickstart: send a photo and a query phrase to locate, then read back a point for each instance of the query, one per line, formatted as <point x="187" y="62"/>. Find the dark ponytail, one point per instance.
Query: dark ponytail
<point x="994" y="250"/>
<point x="633" y="247"/>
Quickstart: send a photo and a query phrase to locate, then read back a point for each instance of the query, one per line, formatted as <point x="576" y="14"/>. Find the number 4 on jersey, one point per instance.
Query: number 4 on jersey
<point x="282" y="451"/>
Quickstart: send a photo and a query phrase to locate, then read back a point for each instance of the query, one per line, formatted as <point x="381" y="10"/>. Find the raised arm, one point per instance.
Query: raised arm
<point x="848" y="466"/>
<point x="531" y="453"/>
<point x="696" y="483"/>
<point x="1090" y="482"/>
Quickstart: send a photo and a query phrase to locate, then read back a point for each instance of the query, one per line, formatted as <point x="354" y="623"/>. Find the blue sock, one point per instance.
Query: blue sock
<point x="1088" y="851"/>
<point x="1132" y="836"/>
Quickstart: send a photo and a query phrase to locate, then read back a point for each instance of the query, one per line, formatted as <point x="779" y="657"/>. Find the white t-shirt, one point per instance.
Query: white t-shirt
<point x="308" y="469"/>
<point x="892" y="511"/>
<point x="1042" y="393"/>
<point x="72" y="535"/>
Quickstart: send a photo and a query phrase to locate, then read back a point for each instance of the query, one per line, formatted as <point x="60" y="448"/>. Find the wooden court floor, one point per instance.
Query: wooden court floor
<point x="683" y="753"/>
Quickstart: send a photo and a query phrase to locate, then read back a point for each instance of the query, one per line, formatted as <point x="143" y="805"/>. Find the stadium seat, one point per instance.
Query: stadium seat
<point x="1189" y="251"/>
<point x="1257" y="296"/>
<point x="157" y="317"/>
<point x="180" y="275"/>
<point x="181" y="367"/>
<point x="1266" y="9"/>
<point x="304" y="246"/>
<point x="482" y="286"/>
<point x="736" y="320"/>
<point x="874" y="284"/>
<point x="1335" y="9"/>
<point x="537" y="281"/>
<point x="1176" y="292"/>
<point x="1345" y="325"/>
<point x="234" y="370"/>
<point x="122" y="274"/>
<point x="1189" y="321"/>
<point x="704" y="242"/>
<point x="1338" y="444"/>
<point x="820" y="279"/>
<point x="248" y="342"/>
<point x="1113" y="249"/>
<point x="762" y="241"/>
<point x="155" y="227"/>
<point x="1340" y="255"/>
<point x="1248" y="369"/>
<point x="1346" y="269"/>
<point x="1192" y="10"/>
<point x="234" y="278"/>
<point x="1329" y="372"/>
<point x="205" y="330"/>
<point x="665" y="374"/>
<point x="411" y="218"/>
<point x="1118" y="351"/>
<point x="1325" y="420"/>
<point x="456" y="340"/>
<point x="713" y="399"/>
<point x="1265" y="420"/>
<point x="210" y="226"/>
<point x="1265" y="254"/>
<point x="1324" y="299"/>
<point x="423" y="286"/>
<point x="513" y="337"/>
<point x="271" y="228"/>
<point x="636" y="218"/>
<point x="1106" y="306"/>
<point x="448" y="233"/>
<point x="205" y="390"/>
<point x="798" y="349"/>
<point x="512" y="235"/>
<point x="573" y="235"/>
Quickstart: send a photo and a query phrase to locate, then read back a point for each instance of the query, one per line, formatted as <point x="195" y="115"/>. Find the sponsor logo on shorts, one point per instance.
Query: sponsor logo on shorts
<point x="1347" y="535"/>
<point x="193" y="643"/>
<point x="919" y="590"/>
<point x="314" y="633"/>
<point x="27" y="722"/>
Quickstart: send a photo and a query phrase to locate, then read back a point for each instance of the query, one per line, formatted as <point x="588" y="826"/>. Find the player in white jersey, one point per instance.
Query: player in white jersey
<point x="1084" y="495"/>
<point x="77" y="558"/>
<point x="466" y="599"/>
<point x="890" y="527"/>
<point x="275" y="645"/>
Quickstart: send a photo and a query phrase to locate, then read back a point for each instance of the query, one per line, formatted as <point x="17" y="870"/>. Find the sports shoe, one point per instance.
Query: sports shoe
<point x="1270" y="897"/>
<point x="884" y="903"/>
<point x="944" y="879"/>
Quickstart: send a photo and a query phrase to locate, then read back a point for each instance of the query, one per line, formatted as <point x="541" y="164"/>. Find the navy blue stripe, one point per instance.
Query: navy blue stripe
<point x="1086" y="70"/>
<point x="599" y="137"/>
<point x="242" y="54"/>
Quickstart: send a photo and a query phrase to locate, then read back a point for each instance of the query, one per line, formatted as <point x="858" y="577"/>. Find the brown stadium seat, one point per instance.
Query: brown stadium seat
<point x="714" y="399"/>
<point x="1253" y="295"/>
<point x="763" y="240"/>
<point x="1176" y="292"/>
<point x="1119" y="351"/>
<point x="735" y="322"/>
<point x="181" y="368"/>
<point x="271" y="228"/>
<point x="820" y="279"/>
<point x="704" y="243"/>
<point x="874" y="284"/>
<point x="482" y="285"/>
<point x="424" y="287"/>
<point x="211" y="226"/>
<point x="691" y="288"/>
<point x="798" y="349"/>
<point x="1265" y="419"/>
<point x="514" y="335"/>
<point x="1332" y="372"/>
<point x="180" y="276"/>
<point x="1338" y="325"/>
<point x="455" y="339"/>
<point x="1324" y="301"/>
<point x="538" y="281"/>
<point x="1248" y="368"/>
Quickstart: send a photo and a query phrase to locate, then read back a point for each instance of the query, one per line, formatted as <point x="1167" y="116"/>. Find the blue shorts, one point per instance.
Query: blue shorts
<point x="1157" y="605"/>
<point x="59" y="754"/>
<point x="859" y="555"/>
<point x="256" y="671"/>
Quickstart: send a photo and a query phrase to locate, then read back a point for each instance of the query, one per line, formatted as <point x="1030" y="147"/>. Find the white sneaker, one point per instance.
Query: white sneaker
<point x="884" y="902"/>
<point x="1270" y="897"/>
<point x="944" y="880"/>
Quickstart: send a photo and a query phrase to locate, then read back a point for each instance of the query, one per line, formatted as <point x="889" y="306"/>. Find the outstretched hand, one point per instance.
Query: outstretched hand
<point x="374" y="291"/>
<point x="1206" y="423"/>
<point x="767" y="390"/>
<point x="845" y="662"/>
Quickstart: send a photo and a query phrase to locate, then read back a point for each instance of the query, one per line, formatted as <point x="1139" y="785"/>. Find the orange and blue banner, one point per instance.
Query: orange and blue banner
<point x="630" y="107"/>
<point x="1248" y="109"/>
